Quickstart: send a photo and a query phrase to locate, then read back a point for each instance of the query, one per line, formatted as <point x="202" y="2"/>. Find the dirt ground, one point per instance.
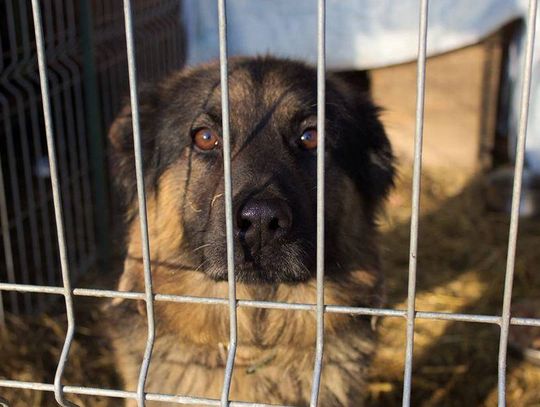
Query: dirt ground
<point x="461" y="264"/>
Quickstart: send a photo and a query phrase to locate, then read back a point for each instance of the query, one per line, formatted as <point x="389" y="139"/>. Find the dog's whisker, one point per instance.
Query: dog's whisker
<point x="194" y="207"/>
<point x="215" y="198"/>
<point x="202" y="247"/>
<point x="202" y="264"/>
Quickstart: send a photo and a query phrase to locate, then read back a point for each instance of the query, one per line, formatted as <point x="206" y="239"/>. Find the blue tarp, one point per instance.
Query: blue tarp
<point x="363" y="34"/>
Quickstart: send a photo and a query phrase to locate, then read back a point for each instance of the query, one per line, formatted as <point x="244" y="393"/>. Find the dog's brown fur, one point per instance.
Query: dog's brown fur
<point x="275" y="355"/>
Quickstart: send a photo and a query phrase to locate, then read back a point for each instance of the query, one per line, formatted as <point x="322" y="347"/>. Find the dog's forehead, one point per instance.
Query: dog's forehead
<point x="263" y="92"/>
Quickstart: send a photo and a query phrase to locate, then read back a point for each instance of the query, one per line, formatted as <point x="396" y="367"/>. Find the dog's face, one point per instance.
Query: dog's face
<point x="273" y="148"/>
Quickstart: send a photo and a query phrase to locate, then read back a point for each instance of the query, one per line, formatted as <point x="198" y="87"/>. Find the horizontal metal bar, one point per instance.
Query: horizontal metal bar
<point x="332" y="309"/>
<point x="341" y="309"/>
<point x="92" y="391"/>
<point x="446" y="316"/>
<point x="524" y="321"/>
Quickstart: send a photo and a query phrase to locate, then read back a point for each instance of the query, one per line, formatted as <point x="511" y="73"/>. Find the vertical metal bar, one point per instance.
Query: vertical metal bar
<point x="106" y="61"/>
<point x="42" y="202"/>
<point x="2" y="313"/>
<point x="411" y="296"/>
<point x="141" y="193"/>
<point x="16" y="201"/>
<point x="12" y="155"/>
<point x="56" y="85"/>
<point x="105" y="86"/>
<point x="57" y="198"/>
<point x="321" y="100"/>
<point x="19" y="97"/>
<point x="8" y="250"/>
<point x="115" y="70"/>
<point x="82" y="136"/>
<point x="223" y="64"/>
<point x="4" y="218"/>
<point x="68" y="80"/>
<point x="516" y="197"/>
<point x="99" y="212"/>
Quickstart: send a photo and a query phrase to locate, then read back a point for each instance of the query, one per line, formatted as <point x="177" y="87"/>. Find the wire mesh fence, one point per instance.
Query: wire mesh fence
<point x="85" y="51"/>
<point x="77" y="244"/>
<point x="25" y="195"/>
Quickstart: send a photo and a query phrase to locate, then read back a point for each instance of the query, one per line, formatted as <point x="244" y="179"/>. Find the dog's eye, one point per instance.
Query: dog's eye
<point x="308" y="140"/>
<point x="206" y="139"/>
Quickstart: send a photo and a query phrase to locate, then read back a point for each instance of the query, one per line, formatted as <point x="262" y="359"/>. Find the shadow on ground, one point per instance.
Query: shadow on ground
<point x="461" y="265"/>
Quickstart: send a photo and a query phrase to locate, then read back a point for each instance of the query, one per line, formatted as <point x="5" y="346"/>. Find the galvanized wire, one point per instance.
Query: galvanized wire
<point x="28" y="198"/>
<point x="66" y="70"/>
<point x="141" y="194"/>
<point x="415" y="215"/>
<point x="89" y="391"/>
<point x="516" y="198"/>
<point x="340" y="309"/>
<point x="11" y="87"/>
<point x="33" y="101"/>
<point x="321" y="100"/>
<point x="13" y="173"/>
<point x="6" y="238"/>
<point x="8" y="250"/>
<point x="25" y="176"/>
<point x="57" y="199"/>
<point x="58" y="92"/>
<point x="81" y="156"/>
<point x="63" y="67"/>
<point x="233" y="329"/>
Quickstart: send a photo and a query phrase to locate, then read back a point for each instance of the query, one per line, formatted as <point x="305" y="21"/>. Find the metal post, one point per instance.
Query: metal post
<point x="228" y="201"/>
<point x="95" y="135"/>
<point x="321" y="78"/>
<point x="142" y="203"/>
<point x="57" y="199"/>
<point x="417" y="170"/>
<point x="516" y="197"/>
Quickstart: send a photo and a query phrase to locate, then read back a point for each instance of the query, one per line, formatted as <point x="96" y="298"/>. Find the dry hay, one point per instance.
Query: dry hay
<point x="461" y="264"/>
<point x="31" y="347"/>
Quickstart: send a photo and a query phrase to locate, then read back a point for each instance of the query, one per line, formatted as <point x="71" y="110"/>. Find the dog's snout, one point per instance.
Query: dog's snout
<point x="260" y="221"/>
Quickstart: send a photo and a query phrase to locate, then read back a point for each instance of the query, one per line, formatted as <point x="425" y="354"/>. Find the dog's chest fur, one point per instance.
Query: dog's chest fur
<point x="279" y="374"/>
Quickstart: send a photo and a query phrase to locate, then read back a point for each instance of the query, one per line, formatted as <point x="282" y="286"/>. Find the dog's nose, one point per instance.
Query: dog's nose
<point x="260" y="221"/>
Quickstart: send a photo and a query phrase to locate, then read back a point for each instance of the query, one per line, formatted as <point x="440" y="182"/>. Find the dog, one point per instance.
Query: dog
<point x="273" y="109"/>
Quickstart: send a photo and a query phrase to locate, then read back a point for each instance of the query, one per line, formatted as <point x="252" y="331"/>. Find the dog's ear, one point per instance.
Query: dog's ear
<point x="357" y="81"/>
<point x="380" y="158"/>
<point x="121" y="157"/>
<point x="367" y="152"/>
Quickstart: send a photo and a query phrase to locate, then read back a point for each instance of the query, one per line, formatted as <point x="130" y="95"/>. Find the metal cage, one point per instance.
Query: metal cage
<point x="60" y="195"/>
